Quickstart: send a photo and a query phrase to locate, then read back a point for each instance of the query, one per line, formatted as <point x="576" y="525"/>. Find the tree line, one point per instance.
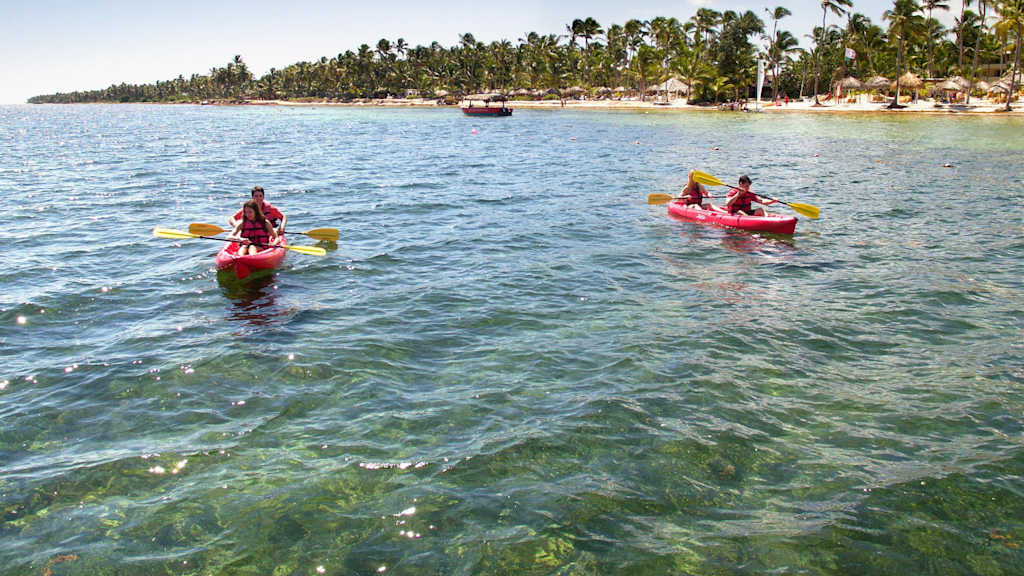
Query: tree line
<point x="714" y="52"/>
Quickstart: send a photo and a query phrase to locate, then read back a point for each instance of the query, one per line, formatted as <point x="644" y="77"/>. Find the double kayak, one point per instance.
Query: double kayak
<point x="243" y="266"/>
<point x="772" y="223"/>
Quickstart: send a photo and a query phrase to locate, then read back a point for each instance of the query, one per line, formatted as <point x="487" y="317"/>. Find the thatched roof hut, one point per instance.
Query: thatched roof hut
<point x="877" y="83"/>
<point x="959" y="80"/>
<point x="950" y="85"/>
<point x="851" y="83"/>
<point x="604" y="90"/>
<point x="909" y="81"/>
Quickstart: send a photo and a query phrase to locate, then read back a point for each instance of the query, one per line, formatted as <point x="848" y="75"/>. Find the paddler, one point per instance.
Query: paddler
<point x="276" y="218"/>
<point x="255" y="232"/>
<point x="741" y="198"/>
<point x="693" y="194"/>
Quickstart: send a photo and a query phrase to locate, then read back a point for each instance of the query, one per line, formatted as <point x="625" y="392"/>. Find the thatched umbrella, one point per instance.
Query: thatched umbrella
<point x="999" y="88"/>
<point x="982" y="85"/>
<point x="909" y="81"/>
<point x="573" y="91"/>
<point x="619" y="89"/>
<point x="522" y="92"/>
<point x="604" y="90"/>
<point x="877" y="83"/>
<point x="851" y="83"/>
<point x="554" y="91"/>
<point x="950" y="86"/>
<point x="961" y="81"/>
<point x="441" y="93"/>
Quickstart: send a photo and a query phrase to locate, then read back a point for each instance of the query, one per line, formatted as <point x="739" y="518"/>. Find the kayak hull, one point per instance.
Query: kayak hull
<point x="772" y="223"/>
<point x="243" y="266"/>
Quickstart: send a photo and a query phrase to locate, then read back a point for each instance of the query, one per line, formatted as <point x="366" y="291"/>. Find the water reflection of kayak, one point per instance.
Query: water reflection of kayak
<point x="772" y="223"/>
<point x="228" y="258"/>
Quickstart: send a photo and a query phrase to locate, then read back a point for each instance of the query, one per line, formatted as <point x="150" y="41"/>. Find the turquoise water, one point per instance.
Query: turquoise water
<point x="510" y="363"/>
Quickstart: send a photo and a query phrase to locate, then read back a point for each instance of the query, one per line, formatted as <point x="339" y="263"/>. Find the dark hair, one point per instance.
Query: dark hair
<point x="744" y="179"/>
<point x="257" y="189"/>
<point x="256" y="208"/>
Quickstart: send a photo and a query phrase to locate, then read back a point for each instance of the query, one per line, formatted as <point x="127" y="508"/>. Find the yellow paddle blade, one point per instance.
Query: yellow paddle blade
<point x="811" y="212"/>
<point x="175" y="234"/>
<point x="324" y="234"/>
<point x="311" y="250"/>
<point x="659" y="198"/>
<point x="205" y="229"/>
<point x="708" y="179"/>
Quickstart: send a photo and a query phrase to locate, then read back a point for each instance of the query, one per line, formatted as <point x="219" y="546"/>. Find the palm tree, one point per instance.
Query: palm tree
<point x="960" y="32"/>
<point x="904" y="23"/>
<point x="775" y="55"/>
<point x="977" y="44"/>
<point x="1011" y="19"/>
<point x="930" y="5"/>
<point x="836" y="6"/>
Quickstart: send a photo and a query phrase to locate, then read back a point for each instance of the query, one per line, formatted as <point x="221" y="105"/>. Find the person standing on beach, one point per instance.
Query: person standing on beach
<point x="276" y="217"/>
<point x="740" y="200"/>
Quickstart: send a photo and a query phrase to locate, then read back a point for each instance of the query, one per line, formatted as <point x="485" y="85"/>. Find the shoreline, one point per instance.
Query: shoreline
<point x="980" y="106"/>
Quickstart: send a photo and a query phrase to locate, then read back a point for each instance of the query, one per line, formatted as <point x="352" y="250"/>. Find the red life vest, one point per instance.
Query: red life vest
<point x="254" y="232"/>
<point x="746" y="197"/>
<point x="695" y="198"/>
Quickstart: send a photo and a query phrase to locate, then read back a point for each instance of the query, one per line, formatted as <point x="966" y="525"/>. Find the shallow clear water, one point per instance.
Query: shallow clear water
<point x="510" y="363"/>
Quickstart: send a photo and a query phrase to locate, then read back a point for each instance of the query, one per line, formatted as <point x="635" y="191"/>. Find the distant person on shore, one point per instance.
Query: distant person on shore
<point x="276" y="218"/>
<point x="255" y="231"/>
<point x="787" y="99"/>
<point x="693" y="193"/>
<point x="740" y="200"/>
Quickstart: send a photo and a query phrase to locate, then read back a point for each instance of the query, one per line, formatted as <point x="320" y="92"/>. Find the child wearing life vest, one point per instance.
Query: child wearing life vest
<point x="255" y="232"/>
<point x="741" y="198"/>
<point x="693" y="194"/>
<point x="276" y="217"/>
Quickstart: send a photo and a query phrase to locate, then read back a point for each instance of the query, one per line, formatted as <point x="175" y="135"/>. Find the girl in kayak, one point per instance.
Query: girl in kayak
<point x="693" y="193"/>
<point x="277" y="219"/>
<point x="740" y="199"/>
<point x="255" y="232"/>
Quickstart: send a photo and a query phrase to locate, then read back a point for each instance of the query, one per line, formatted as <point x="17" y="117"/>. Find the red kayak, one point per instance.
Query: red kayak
<point x="244" y="265"/>
<point x="772" y="223"/>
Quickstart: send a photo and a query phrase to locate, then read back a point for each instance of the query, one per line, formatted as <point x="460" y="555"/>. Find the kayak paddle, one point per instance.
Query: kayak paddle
<point x="811" y="212"/>
<point x="663" y="198"/>
<point x="322" y="234"/>
<point x="178" y="235"/>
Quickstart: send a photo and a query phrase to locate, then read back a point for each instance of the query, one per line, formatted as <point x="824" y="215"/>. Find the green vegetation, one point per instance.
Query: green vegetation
<point x="714" y="52"/>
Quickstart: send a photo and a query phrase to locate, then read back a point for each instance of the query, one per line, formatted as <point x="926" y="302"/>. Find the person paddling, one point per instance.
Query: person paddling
<point x="276" y="218"/>
<point x="253" y="229"/>
<point x="693" y="194"/>
<point x="740" y="200"/>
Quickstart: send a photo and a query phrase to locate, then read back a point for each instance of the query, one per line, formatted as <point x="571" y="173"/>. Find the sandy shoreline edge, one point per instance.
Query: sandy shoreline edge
<point x="980" y="106"/>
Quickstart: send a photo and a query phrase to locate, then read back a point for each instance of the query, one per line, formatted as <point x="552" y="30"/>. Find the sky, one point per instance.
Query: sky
<point x="63" y="46"/>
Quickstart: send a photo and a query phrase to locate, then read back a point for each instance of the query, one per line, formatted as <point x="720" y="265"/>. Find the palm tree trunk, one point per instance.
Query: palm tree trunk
<point x="1013" y="71"/>
<point x="960" y="36"/>
<point x="817" y="57"/>
<point x="899" y="62"/>
<point x="977" y="44"/>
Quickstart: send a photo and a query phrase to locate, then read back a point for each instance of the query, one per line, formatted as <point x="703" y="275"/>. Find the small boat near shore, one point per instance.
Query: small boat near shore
<point x="243" y="266"/>
<point x="483" y="105"/>
<point x="772" y="223"/>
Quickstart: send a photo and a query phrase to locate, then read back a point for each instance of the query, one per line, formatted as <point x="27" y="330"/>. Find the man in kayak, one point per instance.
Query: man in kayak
<point x="741" y="198"/>
<point x="276" y="218"/>
<point x="694" y="194"/>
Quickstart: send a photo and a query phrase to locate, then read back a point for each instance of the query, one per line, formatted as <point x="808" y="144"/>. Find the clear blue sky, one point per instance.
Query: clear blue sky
<point x="63" y="46"/>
